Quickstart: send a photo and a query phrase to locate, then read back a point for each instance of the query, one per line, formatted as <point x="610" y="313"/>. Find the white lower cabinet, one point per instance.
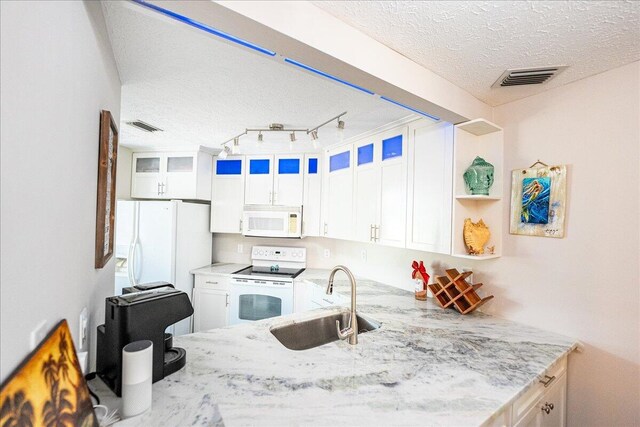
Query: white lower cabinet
<point x="550" y="409"/>
<point x="210" y="302"/>
<point x="542" y="405"/>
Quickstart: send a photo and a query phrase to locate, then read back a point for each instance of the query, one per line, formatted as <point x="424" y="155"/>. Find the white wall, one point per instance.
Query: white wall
<point x="585" y="285"/>
<point x="123" y="172"/>
<point x="57" y="73"/>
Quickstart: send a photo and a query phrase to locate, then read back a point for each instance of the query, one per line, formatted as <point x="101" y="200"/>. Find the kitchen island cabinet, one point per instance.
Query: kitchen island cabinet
<point x="424" y="366"/>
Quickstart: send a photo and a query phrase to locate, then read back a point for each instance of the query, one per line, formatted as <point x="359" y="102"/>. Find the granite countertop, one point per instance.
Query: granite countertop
<point x="425" y="365"/>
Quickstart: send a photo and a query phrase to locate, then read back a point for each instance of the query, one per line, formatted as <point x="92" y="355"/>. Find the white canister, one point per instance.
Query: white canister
<point x="137" y="375"/>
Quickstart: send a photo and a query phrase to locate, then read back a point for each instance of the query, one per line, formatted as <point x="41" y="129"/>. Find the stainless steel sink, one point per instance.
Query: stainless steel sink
<point x="316" y="331"/>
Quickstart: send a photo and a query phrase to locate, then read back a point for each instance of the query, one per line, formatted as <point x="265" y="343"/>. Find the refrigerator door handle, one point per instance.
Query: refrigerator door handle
<point x="131" y="261"/>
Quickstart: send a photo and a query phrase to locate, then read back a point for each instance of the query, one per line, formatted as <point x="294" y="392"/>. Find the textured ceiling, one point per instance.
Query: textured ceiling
<point x="203" y="91"/>
<point x="470" y="43"/>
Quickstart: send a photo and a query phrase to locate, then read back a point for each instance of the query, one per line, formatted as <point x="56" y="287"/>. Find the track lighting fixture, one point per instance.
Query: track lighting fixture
<point x="278" y="127"/>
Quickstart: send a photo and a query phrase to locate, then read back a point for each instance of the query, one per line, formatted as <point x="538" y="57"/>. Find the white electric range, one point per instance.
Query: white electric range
<point x="265" y="289"/>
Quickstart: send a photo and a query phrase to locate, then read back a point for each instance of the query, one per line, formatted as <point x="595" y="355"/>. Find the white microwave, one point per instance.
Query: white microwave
<point x="272" y="221"/>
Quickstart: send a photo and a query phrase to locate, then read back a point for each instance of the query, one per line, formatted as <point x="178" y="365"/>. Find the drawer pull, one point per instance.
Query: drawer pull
<point x="548" y="380"/>
<point x="212" y="283"/>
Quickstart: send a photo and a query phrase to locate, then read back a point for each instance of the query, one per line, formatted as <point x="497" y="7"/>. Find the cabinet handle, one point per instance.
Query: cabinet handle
<point x="270" y="197"/>
<point x="240" y="226"/>
<point x="275" y="197"/>
<point x="547" y="408"/>
<point x="163" y="185"/>
<point x="325" y="228"/>
<point x="370" y="232"/>
<point x="377" y="233"/>
<point x="158" y="189"/>
<point x="548" y="380"/>
<point x="211" y="283"/>
<point x="227" y="300"/>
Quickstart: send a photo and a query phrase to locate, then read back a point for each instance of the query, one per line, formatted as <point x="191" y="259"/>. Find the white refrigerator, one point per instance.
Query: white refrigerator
<point x="161" y="241"/>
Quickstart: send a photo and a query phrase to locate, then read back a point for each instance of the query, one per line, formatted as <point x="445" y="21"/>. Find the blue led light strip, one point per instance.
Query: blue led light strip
<point x="329" y="76"/>
<point x="410" y="108"/>
<point x="205" y="28"/>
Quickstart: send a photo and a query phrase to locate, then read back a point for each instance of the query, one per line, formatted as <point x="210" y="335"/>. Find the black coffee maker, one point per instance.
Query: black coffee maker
<point x="137" y="316"/>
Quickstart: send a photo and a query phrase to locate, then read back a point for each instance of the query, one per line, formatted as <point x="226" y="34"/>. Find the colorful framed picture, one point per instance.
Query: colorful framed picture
<point x="106" y="205"/>
<point x="538" y="201"/>
<point x="48" y="388"/>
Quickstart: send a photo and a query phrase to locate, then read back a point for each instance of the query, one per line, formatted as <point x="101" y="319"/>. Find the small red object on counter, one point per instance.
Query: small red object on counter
<point x="420" y="273"/>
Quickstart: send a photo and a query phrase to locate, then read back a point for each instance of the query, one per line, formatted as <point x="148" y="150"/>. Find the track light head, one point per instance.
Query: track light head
<point x="224" y="153"/>
<point x="314" y="134"/>
<point x="260" y="137"/>
<point x="292" y="135"/>
<point x="340" y="124"/>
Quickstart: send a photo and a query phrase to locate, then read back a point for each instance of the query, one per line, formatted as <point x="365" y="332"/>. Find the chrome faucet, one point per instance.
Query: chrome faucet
<point x="350" y="331"/>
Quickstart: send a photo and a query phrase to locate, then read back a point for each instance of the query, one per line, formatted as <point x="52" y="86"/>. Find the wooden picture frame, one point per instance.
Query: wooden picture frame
<point x="106" y="204"/>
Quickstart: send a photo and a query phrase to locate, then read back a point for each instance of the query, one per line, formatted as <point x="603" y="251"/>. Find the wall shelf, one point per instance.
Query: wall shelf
<point x="477" y="257"/>
<point x="478" y="197"/>
<point x="484" y="139"/>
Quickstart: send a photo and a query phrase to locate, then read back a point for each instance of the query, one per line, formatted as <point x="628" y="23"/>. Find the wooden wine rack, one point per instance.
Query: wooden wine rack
<point x="453" y="291"/>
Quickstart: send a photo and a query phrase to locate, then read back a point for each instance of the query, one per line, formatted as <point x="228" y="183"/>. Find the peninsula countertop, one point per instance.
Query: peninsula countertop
<point x="424" y="366"/>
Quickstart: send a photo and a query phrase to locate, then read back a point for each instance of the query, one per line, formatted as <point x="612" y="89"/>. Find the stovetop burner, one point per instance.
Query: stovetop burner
<point x="270" y="271"/>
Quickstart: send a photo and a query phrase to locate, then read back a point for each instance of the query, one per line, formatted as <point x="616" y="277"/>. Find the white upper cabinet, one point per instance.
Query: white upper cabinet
<point x="227" y="195"/>
<point x="259" y="180"/>
<point x="393" y="189"/>
<point x="380" y="188"/>
<point x="312" y="195"/>
<point x="430" y="186"/>
<point x="366" y="186"/>
<point x="288" y="180"/>
<point x="338" y="198"/>
<point x="181" y="175"/>
<point x="274" y="180"/>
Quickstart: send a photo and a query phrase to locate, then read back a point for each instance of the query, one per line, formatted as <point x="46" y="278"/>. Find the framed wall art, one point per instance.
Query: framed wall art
<point x="106" y="205"/>
<point x="48" y="387"/>
<point x="538" y="201"/>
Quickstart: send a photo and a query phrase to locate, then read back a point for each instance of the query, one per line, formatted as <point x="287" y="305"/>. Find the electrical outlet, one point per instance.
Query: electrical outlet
<point x="38" y="333"/>
<point x="363" y="255"/>
<point x="240" y="248"/>
<point x="327" y="253"/>
<point x="83" y="328"/>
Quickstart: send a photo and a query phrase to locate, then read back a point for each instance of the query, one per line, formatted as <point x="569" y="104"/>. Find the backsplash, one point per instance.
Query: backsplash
<point x="381" y="263"/>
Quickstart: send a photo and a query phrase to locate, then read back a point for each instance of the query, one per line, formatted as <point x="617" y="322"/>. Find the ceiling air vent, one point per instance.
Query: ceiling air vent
<point x="527" y="76"/>
<point x="144" y="126"/>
